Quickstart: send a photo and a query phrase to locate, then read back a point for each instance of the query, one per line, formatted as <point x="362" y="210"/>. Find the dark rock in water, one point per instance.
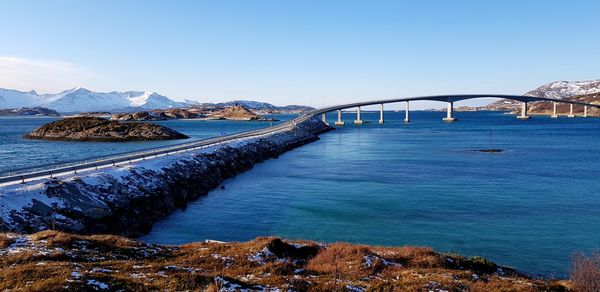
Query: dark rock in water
<point x="490" y="150"/>
<point x="101" y="130"/>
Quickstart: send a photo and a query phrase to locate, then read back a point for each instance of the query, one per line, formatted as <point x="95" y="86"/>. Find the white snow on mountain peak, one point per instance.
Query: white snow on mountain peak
<point x="562" y="89"/>
<point x="80" y="99"/>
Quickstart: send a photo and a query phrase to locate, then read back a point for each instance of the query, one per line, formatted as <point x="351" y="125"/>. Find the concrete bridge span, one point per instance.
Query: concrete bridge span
<point x="48" y="171"/>
<point x="450" y="99"/>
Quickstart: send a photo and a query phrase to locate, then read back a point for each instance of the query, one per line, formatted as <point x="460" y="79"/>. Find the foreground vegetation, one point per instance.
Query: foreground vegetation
<point x="51" y="260"/>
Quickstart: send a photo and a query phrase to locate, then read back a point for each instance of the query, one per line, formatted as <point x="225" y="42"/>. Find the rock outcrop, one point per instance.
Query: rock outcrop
<point x="157" y="115"/>
<point x="582" y="91"/>
<point x="29" y="111"/>
<point x="128" y="199"/>
<point x="101" y="130"/>
<point x="237" y="113"/>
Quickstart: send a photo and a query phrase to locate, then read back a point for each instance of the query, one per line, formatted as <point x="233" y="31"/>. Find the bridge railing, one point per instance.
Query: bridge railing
<point x="55" y="169"/>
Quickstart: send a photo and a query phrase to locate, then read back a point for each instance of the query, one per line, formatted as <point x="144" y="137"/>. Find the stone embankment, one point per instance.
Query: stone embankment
<point x="127" y="199"/>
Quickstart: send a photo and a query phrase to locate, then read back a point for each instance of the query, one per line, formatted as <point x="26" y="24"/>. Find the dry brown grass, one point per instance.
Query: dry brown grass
<point x="6" y="239"/>
<point x="585" y="273"/>
<point x="49" y="260"/>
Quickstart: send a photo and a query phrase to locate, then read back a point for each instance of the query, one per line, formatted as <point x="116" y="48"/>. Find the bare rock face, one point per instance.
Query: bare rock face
<point x="101" y="130"/>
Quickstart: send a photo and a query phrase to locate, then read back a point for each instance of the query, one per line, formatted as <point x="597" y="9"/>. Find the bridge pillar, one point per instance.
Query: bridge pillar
<point x="358" y="121"/>
<point x="449" y="117"/>
<point x="585" y="111"/>
<point x="523" y="115"/>
<point x="406" y="120"/>
<point x="571" y="114"/>
<point x="339" y="121"/>
<point x="324" y="118"/>
<point x="554" y="115"/>
<point x="381" y="114"/>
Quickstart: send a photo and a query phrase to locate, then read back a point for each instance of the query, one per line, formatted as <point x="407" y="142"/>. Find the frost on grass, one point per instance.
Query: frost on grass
<point x="102" y="262"/>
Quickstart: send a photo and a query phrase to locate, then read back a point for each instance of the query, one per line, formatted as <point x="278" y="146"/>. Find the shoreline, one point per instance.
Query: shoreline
<point x="127" y="199"/>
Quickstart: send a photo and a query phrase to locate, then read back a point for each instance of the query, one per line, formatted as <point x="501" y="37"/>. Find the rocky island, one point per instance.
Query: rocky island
<point x="29" y="111"/>
<point x="158" y="115"/>
<point x="232" y="113"/>
<point x="96" y="129"/>
<point x="236" y="113"/>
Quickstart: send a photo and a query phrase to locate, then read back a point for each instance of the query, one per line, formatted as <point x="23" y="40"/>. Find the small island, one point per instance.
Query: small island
<point x="231" y="113"/>
<point x="94" y="129"/>
<point x="29" y="111"/>
<point x="237" y="113"/>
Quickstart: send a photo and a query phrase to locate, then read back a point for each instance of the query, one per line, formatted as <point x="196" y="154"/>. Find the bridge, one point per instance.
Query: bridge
<point x="94" y="164"/>
<point x="450" y="100"/>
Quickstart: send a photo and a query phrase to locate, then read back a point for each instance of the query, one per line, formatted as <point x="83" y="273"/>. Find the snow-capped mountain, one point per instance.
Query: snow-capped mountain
<point x="84" y="100"/>
<point x="566" y="89"/>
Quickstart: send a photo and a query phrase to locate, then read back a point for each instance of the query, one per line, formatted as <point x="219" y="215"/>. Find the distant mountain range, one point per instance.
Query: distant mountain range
<point x="83" y="100"/>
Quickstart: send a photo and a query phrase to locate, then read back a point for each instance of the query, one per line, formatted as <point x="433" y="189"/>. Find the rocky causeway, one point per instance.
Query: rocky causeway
<point x="127" y="199"/>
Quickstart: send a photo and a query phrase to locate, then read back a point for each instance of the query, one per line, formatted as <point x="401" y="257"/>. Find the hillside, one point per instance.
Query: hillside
<point x="54" y="261"/>
<point x="259" y="107"/>
<point x="236" y="113"/>
<point x="584" y="91"/>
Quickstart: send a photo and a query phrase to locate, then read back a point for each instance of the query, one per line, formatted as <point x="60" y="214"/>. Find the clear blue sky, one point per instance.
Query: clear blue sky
<point x="310" y="52"/>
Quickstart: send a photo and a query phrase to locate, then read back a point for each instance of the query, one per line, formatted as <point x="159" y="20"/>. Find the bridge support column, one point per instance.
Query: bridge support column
<point x="406" y="120"/>
<point x="381" y="114"/>
<point x="571" y="114"/>
<point x="585" y="111"/>
<point x="554" y="115"/>
<point x="324" y="118"/>
<point x="358" y="121"/>
<point x="524" y="115"/>
<point x="449" y="117"/>
<point x="339" y="121"/>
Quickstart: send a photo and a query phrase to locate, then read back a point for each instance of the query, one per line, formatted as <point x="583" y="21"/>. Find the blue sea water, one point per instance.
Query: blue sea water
<point x="18" y="153"/>
<point x="530" y="207"/>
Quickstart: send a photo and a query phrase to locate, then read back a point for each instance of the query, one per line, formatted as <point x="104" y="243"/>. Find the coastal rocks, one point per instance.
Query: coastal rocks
<point x="157" y="115"/>
<point x="29" y="111"/>
<point x="101" y="130"/>
<point x="237" y="113"/>
<point x="128" y="199"/>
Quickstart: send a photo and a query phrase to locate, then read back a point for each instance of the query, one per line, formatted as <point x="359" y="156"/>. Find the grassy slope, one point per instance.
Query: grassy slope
<point x="52" y="260"/>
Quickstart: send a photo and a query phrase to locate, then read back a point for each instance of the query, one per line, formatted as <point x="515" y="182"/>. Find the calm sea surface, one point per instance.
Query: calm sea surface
<point x="18" y="153"/>
<point x="530" y="207"/>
